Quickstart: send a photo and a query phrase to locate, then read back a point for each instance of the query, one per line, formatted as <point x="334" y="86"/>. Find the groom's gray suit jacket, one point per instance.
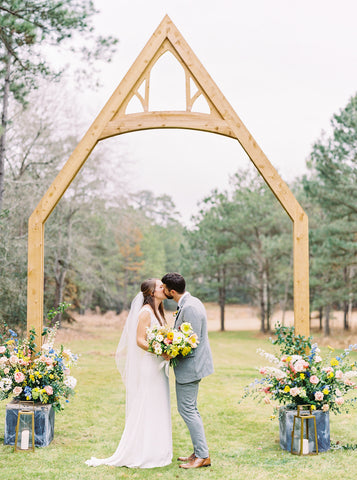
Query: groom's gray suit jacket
<point x="199" y="362"/>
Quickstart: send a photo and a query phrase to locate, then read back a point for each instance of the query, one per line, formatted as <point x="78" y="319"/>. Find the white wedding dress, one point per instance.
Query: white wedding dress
<point x="147" y="438"/>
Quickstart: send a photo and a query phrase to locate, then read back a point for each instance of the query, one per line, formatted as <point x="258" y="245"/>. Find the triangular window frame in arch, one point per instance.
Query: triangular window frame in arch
<point x="113" y="120"/>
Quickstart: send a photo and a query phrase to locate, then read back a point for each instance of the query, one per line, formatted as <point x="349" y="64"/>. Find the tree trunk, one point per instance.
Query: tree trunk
<point x="327" y="322"/>
<point x="320" y="318"/>
<point x="222" y="295"/>
<point x="268" y="300"/>
<point x="345" y="316"/>
<point x="4" y="120"/>
<point x="262" y="306"/>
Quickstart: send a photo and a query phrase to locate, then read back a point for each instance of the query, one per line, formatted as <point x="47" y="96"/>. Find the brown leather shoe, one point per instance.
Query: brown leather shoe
<point x="187" y="459"/>
<point x="197" y="463"/>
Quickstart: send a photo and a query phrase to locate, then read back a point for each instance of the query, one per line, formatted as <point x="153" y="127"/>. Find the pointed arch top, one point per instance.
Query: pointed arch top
<point x="114" y="120"/>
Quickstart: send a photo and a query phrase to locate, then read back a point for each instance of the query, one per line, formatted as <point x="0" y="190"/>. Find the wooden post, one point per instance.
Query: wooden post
<point x="35" y="279"/>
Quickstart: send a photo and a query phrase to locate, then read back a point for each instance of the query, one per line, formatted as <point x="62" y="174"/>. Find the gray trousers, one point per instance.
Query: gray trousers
<point x="186" y="395"/>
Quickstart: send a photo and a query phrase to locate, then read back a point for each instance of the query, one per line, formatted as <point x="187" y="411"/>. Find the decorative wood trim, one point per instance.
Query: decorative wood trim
<point x="112" y="120"/>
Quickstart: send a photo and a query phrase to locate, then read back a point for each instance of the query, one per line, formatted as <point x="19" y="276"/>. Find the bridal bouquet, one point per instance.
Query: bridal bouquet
<point x="28" y="374"/>
<point x="173" y="342"/>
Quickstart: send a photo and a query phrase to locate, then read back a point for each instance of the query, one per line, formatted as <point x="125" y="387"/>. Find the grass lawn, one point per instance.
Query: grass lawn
<point x="243" y="440"/>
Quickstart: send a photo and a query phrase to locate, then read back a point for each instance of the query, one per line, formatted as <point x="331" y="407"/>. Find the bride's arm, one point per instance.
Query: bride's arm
<point x="144" y="322"/>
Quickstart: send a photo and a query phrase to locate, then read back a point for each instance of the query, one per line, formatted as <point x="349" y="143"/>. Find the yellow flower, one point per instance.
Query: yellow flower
<point x="185" y="327"/>
<point x="288" y="359"/>
<point x="32" y="378"/>
<point x="51" y="377"/>
<point x="334" y="362"/>
<point x="302" y="376"/>
<point x="186" y="351"/>
<point x="330" y="375"/>
<point x="10" y="342"/>
<point x="170" y="335"/>
<point x="331" y="348"/>
<point x="325" y="391"/>
<point x="313" y="407"/>
<point x="286" y="389"/>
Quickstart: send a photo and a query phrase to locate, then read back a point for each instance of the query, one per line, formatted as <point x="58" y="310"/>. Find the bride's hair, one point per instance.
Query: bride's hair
<point x="148" y="289"/>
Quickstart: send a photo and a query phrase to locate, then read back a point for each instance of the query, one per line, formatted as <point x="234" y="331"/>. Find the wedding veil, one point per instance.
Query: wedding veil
<point x="128" y="355"/>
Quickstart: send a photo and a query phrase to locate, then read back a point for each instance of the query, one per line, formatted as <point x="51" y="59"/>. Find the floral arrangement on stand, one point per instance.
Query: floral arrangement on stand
<point x="173" y="342"/>
<point x="28" y="374"/>
<point x="300" y="375"/>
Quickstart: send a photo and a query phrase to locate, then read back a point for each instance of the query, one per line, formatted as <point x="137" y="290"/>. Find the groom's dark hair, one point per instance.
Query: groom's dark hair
<point x="174" y="281"/>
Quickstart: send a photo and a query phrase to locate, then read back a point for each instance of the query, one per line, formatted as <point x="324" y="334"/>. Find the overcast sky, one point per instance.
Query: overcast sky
<point x="285" y="67"/>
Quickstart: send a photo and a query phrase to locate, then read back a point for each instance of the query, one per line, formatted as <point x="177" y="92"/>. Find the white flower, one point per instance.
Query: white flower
<point x="157" y="349"/>
<point x="270" y="357"/>
<point x="71" y="382"/>
<point x="318" y="359"/>
<point x="338" y="392"/>
<point x="178" y="338"/>
<point x="5" y="384"/>
<point x="351" y="374"/>
<point x="276" y="372"/>
<point x="160" y="338"/>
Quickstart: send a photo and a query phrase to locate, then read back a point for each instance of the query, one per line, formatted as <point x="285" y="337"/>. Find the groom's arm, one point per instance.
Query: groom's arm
<point x="194" y="316"/>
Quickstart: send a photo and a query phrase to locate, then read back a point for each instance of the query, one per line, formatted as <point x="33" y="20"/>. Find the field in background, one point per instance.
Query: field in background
<point x="237" y="318"/>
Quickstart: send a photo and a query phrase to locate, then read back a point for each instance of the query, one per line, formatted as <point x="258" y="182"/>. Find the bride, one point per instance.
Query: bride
<point x="147" y="438"/>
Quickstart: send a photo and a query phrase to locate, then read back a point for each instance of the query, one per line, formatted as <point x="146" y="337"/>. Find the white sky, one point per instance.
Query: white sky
<point x="285" y="67"/>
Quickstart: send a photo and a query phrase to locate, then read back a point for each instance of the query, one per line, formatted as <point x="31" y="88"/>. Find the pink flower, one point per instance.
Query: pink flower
<point x="294" y="391"/>
<point x="19" y="377"/>
<point x="6" y="370"/>
<point x="338" y="392"/>
<point x="266" y="400"/>
<point x="66" y="371"/>
<point x="319" y="396"/>
<point x="314" y="379"/>
<point x="340" y="401"/>
<point x="339" y="374"/>
<point x="325" y="408"/>
<point x="14" y="359"/>
<point x="267" y="389"/>
<point x="16" y="391"/>
<point x="2" y="349"/>
<point x="49" y="389"/>
<point x="301" y="366"/>
<point x="263" y="371"/>
<point x="328" y="369"/>
<point x="167" y="341"/>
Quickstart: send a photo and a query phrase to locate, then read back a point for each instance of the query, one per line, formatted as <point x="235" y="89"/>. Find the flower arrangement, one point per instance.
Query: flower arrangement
<point x="299" y="375"/>
<point x="41" y="376"/>
<point x="173" y="342"/>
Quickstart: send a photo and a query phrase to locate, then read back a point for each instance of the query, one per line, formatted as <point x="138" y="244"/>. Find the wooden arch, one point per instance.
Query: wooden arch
<point x="113" y="120"/>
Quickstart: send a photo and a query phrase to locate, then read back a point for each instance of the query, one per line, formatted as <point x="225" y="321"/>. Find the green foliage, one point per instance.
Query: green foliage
<point x="289" y="343"/>
<point x="330" y="189"/>
<point x="28" y="25"/>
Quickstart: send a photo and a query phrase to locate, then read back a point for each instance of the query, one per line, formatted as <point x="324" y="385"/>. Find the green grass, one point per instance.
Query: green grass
<point x="243" y="441"/>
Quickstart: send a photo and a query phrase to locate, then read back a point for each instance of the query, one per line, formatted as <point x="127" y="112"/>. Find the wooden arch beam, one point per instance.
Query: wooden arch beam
<point x="113" y="120"/>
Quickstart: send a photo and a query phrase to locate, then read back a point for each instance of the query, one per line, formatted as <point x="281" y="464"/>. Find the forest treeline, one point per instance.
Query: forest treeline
<point x="101" y="242"/>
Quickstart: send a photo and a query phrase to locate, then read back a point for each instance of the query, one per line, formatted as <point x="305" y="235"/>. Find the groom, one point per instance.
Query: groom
<point x="191" y="369"/>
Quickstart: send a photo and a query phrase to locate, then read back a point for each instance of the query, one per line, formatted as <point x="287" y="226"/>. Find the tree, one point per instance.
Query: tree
<point x="240" y="246"/>
<point x="26" y="27"/>
<point x="331" y="185"/>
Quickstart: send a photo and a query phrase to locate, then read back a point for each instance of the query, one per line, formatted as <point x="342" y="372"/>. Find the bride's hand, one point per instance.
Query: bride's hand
<point x="166" y="356"/>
